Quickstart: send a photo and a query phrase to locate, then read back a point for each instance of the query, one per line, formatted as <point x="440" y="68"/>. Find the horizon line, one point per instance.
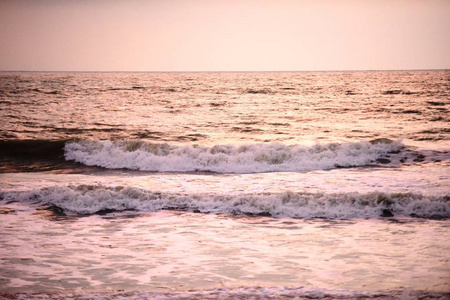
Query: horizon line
<point x="266" y="71"/>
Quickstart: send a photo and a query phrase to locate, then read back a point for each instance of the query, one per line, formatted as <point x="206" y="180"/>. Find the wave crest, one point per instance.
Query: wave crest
<point x="94" y="199"/>
<point x="251" y="158"/>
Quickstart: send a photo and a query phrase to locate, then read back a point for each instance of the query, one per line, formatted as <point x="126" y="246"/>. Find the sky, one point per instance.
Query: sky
<point x="224" y="35"/>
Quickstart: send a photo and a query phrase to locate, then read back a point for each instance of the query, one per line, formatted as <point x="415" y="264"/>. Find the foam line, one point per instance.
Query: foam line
<point x="92" y="199"/>
<point x="252" y="158"/>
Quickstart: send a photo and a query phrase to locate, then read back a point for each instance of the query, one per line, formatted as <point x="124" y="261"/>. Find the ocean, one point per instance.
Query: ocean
<point x="257" y="185"/>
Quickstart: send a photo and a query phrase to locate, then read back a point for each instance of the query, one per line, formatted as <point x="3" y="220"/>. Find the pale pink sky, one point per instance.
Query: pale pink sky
<point x="228" y="35"/>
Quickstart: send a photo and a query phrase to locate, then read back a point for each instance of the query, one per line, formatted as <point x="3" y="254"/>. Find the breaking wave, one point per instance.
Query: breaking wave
<point x="100" y="199"/>
<point x="252" y="158"/>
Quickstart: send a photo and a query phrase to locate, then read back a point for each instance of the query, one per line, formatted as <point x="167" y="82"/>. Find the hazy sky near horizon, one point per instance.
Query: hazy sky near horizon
<point x="228" y="35"/>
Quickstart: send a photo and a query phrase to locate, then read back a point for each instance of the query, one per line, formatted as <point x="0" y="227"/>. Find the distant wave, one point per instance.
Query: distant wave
<point x="100" y="199"/>
<point x="251" y="158"/>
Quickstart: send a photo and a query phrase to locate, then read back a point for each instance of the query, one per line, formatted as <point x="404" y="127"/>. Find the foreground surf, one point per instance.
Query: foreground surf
<point x="99" y="199"/>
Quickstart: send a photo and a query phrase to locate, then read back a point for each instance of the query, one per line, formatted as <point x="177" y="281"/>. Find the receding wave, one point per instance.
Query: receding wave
<point x="98" y="199"/>
<point x="252" y="158"/>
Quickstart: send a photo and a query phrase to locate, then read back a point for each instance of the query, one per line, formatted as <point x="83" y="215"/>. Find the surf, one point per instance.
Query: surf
<point x="231" y="158"/>
<point x="100" y="199"/>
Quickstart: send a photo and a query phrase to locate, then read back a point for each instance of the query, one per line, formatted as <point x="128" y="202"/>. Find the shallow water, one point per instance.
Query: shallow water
<point x="182" y="251"/>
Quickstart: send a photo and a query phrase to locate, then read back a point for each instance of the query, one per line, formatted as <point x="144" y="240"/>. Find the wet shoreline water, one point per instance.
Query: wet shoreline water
<point x="175" y="251"/>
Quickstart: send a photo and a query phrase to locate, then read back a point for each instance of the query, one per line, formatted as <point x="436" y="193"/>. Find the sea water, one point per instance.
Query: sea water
<point x="225" y="185"/>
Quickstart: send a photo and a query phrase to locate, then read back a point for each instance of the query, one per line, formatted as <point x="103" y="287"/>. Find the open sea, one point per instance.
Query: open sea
<point x="324" y="185"/>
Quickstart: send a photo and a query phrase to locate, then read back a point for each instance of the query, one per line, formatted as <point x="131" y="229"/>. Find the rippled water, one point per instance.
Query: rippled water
<point x="225" y="185"/>
<point x="217" y="108"/>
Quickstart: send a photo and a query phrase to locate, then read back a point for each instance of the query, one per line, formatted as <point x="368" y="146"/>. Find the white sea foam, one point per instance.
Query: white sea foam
<point x="274" y="157"/>
<point x="91" y="199"/>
